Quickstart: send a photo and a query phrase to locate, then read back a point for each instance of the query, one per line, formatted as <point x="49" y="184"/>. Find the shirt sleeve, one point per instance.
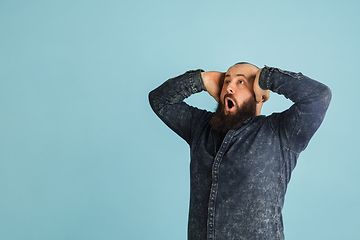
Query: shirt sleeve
<point x="296" y="125"/>
<point x="167" y="101"/>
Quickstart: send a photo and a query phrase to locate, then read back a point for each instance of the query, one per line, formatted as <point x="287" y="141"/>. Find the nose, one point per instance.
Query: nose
<point x="230" y="89"/>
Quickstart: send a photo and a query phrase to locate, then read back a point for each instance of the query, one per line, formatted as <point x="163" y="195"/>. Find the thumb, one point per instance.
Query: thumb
<point x="258" y="98"/>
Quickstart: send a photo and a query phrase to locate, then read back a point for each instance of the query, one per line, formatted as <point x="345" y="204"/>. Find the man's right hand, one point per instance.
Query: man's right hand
<point x="213" y="82"/>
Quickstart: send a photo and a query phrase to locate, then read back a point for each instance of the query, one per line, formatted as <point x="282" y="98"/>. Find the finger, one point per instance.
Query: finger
<point x="266" y="97"/>
<point x="258" y="98"/>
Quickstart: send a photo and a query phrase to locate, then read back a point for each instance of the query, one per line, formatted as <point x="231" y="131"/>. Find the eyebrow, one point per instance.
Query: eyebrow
<point x="237" y="75"/>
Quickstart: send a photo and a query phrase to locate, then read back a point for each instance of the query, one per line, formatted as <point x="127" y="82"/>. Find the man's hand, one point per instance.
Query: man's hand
<point x="213" y="82"/>
<point x="260" y="94"/>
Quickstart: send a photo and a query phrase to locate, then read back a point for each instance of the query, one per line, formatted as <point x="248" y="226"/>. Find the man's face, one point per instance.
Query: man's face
<point x="237" y="87"/>
<point x="237" y="101"/>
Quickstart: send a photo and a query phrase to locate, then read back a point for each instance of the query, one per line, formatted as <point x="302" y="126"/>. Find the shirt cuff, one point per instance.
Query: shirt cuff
<point x="264" y="78"/>
<point x="197" y="84"/>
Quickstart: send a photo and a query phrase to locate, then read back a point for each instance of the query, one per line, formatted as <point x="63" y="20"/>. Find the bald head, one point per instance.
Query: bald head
<point x="240" y="63"/>
<point x="248" y="70"/>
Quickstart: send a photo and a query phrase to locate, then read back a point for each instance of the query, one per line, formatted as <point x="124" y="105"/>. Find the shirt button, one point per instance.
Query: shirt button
<point x="211" y="225"/>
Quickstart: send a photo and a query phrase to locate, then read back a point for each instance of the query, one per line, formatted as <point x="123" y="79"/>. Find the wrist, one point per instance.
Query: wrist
<point x="205" y="79"/>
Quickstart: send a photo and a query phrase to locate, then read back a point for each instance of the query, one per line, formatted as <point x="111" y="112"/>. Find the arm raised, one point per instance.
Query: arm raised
<point x="213" y="82"/>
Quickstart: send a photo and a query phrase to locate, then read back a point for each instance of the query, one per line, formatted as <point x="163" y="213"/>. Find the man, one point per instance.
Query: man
<point x="241" y="161"/>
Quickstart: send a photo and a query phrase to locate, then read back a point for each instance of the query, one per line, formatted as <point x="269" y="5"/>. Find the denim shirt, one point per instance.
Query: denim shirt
<point x="238" y="183"/>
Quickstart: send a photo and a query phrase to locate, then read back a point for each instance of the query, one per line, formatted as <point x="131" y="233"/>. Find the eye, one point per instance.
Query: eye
<point x="227" y="81"/>
<point x="241" y="82"/>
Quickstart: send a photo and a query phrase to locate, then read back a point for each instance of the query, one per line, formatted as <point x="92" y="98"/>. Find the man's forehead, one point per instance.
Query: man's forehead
<point x="241" y="69"/>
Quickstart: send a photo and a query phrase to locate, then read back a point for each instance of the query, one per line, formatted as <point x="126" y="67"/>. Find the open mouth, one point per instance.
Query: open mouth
<point x="230" y="104"/>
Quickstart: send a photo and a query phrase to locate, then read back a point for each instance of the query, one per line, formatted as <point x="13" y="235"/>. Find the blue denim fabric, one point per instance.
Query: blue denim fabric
<point x="238" y="184"/>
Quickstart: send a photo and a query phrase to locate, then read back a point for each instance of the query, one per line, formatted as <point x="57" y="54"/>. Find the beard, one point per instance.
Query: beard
<point x="223" y="123"/>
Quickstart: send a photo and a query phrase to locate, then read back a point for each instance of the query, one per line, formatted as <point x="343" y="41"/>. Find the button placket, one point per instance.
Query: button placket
<point x="214" y="185"/>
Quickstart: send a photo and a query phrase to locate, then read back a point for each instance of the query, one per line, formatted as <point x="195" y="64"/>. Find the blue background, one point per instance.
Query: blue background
<point x="82" y="156"/>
